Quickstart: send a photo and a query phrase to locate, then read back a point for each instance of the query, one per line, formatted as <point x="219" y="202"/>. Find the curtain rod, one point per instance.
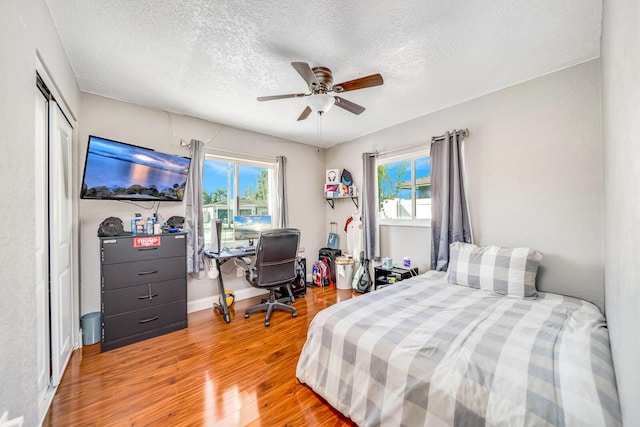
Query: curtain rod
<point x="465" y="134"/>
<point x="245" y="155"/>
<point x="184" y="143"/>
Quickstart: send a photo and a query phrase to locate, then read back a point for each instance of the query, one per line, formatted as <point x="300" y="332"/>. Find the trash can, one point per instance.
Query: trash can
<point x="91" y="328"/>
<point x="344" y="272"/>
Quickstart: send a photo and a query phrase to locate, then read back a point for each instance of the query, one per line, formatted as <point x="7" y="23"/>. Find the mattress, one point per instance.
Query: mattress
<point x="427" y="352"/>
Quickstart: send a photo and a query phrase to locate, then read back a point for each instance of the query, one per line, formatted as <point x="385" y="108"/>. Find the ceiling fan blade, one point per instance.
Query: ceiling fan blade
<point x="361" y="83"/>
<point x="306" y="72"/>
<point x="348" y="105"/>
<point x="290" y="95"/>
<point x="305" y="113"/>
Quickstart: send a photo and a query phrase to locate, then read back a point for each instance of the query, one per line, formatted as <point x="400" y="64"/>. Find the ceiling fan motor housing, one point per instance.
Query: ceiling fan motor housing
<point x="324" y="76"/>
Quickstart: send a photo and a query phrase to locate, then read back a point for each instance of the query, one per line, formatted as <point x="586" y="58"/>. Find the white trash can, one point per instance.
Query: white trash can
<point x="344" y="273"/>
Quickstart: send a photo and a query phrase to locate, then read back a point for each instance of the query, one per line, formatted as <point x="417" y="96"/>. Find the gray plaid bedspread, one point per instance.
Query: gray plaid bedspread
<point x="427" y="353"/>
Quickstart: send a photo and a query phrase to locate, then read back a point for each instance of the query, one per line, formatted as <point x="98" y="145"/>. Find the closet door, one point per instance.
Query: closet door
<point x="42" y="245"/>
<point x="60" y="232"/>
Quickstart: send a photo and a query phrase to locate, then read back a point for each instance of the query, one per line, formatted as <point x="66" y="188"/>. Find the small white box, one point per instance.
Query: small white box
<point x="332" y="176"/>
<point x="387" y="263"/>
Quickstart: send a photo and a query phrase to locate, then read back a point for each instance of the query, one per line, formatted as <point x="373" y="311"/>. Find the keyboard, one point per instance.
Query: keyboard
<point x="240" y="250"/>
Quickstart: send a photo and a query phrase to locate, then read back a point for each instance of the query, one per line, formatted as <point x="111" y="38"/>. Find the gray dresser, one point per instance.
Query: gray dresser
<point x="144" y="287"/>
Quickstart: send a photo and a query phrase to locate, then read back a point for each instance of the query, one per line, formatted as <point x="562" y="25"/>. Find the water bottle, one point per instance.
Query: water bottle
<point x="149" y="226"/>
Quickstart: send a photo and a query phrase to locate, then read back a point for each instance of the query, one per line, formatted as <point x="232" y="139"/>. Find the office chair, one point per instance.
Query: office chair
<point x="275" y="266"/>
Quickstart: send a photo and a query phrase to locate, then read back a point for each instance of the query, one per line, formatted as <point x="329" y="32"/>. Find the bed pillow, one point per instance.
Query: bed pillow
<point x="506" y="271"/>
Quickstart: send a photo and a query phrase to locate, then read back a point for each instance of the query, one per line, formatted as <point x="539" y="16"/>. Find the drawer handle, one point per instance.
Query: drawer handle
<point x="151" y="319"/>
<point x="150" y="296"/>
<point x="152" y="248"/>
<point x="143" y="273"/>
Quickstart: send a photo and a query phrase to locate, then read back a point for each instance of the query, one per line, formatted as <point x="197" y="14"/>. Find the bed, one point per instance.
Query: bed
<point x="430" y="352"/>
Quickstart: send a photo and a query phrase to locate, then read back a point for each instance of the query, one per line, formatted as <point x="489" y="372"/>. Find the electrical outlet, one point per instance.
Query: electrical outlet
<point x="301" y="249"/>
<point x="240" y="272"/>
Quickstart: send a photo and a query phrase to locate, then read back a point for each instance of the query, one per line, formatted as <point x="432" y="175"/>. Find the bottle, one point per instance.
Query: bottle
<point x="139" y="224"/>
<point x="134" y="225"/>
<point x="149" y="226"/>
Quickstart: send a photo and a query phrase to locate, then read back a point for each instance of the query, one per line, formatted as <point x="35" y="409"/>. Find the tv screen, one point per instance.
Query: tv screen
<point x="118" y="171"/>
<point x="249" y="227"/>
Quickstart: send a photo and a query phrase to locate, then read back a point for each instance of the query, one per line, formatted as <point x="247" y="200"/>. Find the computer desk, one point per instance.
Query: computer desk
<point x="220" y="259"/>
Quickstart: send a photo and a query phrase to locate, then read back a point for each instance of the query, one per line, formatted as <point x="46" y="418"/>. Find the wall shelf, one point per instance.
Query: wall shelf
<point x="331" y="202"/>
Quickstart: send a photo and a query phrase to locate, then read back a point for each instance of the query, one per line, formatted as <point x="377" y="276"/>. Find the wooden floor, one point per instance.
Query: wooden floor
<point x="210" y="374"/>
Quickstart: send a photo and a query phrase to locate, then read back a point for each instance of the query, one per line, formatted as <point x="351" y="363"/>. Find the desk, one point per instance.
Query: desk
<point x="220" y="259"/>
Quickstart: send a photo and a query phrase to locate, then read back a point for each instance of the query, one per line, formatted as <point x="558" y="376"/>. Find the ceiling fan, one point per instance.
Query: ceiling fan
<point x="320" y="82"/>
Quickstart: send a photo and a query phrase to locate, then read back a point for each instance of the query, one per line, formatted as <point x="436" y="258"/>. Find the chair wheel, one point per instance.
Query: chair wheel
<point x="294" y="315"/>
<point x="246" y="315"/>
<point x="266" y="323"/>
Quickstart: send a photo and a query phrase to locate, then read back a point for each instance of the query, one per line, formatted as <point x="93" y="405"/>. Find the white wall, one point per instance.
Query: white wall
<point x="26" y="30"/>
<point x="535" y="175"/>
<point x="159" y="130"/>
<point x="621" y="124"/>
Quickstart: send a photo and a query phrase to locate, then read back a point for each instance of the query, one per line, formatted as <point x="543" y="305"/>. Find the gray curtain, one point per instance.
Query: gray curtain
<point x="449" y="212"/>
<point x="282" y="219"/>
<point x="369" y="205"/>
<point x="194" y="215"/>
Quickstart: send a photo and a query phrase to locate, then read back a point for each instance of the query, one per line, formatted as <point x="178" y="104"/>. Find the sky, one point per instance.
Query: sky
<point x="423" y="168"/>
<point x="215" y="175"/>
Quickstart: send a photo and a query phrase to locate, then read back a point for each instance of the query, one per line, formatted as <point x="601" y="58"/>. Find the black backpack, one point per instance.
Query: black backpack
<point x="112" y="226"/>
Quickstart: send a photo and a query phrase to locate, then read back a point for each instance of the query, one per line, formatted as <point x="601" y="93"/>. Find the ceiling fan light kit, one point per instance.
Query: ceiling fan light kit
<point x="320" y="103"/>
<point x="320" y="83"/>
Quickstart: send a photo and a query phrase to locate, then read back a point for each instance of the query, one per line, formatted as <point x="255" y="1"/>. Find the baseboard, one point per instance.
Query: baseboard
<point x="207" y="303"/>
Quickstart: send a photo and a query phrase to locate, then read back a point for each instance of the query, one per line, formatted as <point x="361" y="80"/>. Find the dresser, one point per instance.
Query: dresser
<point x="144" y="287"/>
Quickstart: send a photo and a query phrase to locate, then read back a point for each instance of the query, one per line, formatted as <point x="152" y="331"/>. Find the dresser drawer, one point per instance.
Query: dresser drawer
<point x="141" y="321"/>
<point x="126" y="274"/>
<point x="138" y="297"/>
<point x="123" y="249"/>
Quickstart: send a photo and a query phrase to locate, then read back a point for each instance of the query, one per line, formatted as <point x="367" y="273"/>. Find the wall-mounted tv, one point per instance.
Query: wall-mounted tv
<point x="117" y="171"/>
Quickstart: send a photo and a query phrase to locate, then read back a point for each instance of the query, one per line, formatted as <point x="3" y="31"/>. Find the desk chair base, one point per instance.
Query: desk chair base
<point x="270" y="305"/>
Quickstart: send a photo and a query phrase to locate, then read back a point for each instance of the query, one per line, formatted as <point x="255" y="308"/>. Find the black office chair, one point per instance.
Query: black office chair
<point x="275" y="267"/>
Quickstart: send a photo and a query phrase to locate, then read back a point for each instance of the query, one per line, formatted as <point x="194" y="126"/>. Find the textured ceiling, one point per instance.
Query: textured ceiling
<point x="211" y="59"/>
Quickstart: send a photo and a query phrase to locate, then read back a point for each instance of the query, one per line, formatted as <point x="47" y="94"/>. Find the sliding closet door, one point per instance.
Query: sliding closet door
<point x="42" y="244"/>
<point x="60" y="232"/>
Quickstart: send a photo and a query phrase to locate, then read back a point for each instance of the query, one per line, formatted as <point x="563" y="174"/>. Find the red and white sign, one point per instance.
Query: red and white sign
<point x="147" y="241"/>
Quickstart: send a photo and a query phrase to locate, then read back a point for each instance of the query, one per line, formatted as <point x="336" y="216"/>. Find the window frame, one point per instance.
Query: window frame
<point x="237" y="162"/>
<point x="412" y="156"/>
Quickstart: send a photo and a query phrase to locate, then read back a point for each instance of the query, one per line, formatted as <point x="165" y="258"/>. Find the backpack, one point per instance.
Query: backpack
<point x="346" y="178"/>
<point x="321" y="274"/>
<point x="111" y="226"/>
<point x="362" y="279"/>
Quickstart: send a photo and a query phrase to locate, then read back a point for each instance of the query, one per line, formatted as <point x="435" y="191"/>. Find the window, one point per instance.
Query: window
<point x="233" y="187"/>
<point x="404" y="189"/>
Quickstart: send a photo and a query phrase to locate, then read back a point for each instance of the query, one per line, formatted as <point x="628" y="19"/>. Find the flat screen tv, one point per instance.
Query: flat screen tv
<point x="117" y="171"/>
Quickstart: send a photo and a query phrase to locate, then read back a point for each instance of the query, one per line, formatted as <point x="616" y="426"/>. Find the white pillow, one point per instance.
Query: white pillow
<point x="506" y="271"/>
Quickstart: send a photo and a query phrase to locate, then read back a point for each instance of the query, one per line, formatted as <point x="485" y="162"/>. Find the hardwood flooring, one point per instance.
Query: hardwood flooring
<point x="209" y="374"/>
